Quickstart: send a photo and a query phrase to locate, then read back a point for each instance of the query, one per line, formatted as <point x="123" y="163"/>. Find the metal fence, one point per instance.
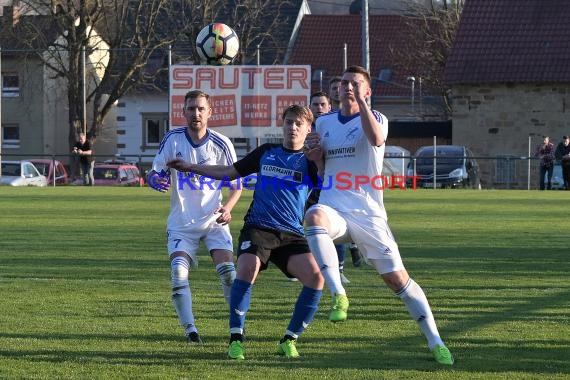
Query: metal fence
<point x="496" y="172"/>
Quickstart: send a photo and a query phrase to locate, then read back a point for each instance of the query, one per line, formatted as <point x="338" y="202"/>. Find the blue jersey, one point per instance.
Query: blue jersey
<point x="285" y="179"/>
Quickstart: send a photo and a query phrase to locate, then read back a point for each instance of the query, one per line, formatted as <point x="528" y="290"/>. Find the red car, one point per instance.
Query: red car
<point x="117" y="174"/>
<point x="51" y="168"/>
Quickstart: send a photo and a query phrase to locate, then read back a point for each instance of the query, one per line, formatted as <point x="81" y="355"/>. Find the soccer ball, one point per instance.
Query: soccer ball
<point x="217" y="44"/>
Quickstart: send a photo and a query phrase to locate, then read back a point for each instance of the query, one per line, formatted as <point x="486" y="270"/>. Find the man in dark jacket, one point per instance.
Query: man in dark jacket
<point x="562" y="154"/>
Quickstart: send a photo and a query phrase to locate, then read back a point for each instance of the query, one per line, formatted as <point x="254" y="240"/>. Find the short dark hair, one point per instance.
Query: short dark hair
<point x="321" y="93"/>
<point x="195" y="94"/>
<point x="334" y="80"/>
<point x="360" y="70"/>
<point x="303" y="112"/>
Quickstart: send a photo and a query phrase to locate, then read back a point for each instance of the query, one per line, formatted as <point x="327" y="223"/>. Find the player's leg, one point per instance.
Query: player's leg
<point x="218" y="240"/>
<point x="182" y="251"/>
<point x="304" y="267"/>
<point x="251" y="244"/>
<point x="340" y="253"/>
<point x="323" y="224"/>
<point x="376" y="239"/>
<point x="418" y="306"/>
<point x="355" y="255"/>
<point x="223" y="260"/>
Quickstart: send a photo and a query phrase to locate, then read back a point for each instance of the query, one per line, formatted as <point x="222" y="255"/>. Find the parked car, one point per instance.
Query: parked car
<point x="455" y="166"/>
<point x="117" y="174"/>
<point x="51" y="168"/>
<point x="21" y="173"/>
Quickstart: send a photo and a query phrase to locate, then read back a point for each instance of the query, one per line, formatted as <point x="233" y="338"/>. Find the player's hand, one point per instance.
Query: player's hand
<point x="225" y="216"/>
<point x="358" y="88"/>
<point x="179" y="164"/>
<point x="312" y="140"/>
<point x="159" y="181"/>
<point x="312" y="148"/>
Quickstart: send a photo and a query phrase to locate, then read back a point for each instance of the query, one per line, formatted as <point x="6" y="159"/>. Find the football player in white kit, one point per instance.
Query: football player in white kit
<point x="196" y="209"/>
<point x="352" y="144"/>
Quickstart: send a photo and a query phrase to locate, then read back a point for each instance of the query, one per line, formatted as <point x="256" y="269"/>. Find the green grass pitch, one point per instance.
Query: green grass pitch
<point x="85" y="293"/>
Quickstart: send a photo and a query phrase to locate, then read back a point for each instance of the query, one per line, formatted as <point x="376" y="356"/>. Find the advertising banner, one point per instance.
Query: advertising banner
<point x="247" y="101"/>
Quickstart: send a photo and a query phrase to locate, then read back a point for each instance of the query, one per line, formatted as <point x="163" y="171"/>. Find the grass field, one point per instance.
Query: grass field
<point x="85" y="287"/>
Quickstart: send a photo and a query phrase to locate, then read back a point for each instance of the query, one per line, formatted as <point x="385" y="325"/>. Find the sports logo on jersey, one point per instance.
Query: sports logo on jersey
<point x="387" y="251"/>
<point x="178" y="155"/>
<point x="351" y="135"/>
<point x="342" y="152"/>
<point x="326" y="134"/>
<point x="281" y="173"/>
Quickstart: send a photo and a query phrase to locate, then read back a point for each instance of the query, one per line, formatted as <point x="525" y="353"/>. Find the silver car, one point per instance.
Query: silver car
<point x="21" y="173"/>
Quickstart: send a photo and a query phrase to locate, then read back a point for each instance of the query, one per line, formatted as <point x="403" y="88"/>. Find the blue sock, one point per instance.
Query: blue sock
<point x="305" y="310"/>
<point x="239" y="305"/>
<point x="340" y="254"/>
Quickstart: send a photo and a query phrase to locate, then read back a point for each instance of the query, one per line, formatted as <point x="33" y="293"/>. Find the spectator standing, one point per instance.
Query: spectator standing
<point x="562" y="154"/>
<point x="545" y="152"/>
<point x="83" y="150"/>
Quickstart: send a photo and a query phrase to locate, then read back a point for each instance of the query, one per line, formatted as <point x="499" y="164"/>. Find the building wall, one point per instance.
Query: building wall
<point x="499" y="120"/>
<point x="129" y="123"/>
<point x="26" y="110"/>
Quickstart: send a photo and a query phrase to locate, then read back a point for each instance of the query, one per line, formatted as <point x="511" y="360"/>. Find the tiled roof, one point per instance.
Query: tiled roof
<point x="499" y="41"/>
<point x="321" y="38"/>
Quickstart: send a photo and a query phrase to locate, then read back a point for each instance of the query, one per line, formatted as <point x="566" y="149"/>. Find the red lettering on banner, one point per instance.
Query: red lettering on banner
<point x="250" y="73"/>
<point x="177" y="114"/>
<point x="212" y="77"/>
<point x="274" y="79"/>
<point x="256" y="111"/>
<point x="283" y="102"/>
<point x="297" y="75"/>
<point x="224" y="112"/>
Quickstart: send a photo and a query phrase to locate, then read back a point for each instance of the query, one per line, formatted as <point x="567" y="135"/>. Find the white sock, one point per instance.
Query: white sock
<point x="227" y="273"/>
<point x="417" y="304"/>
<point x="181" y="294"/>
<point x="324" y="251"/>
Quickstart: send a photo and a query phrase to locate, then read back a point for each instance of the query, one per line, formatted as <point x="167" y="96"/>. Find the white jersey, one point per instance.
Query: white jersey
<point x="193" y="198"/>
<point x="348" y="154"/>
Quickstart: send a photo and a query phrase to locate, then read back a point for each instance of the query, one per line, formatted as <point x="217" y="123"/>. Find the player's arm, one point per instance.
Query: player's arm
<point x="212" y="171"/>
<point x="158" y="177"/>
<point x="371" y="126"/>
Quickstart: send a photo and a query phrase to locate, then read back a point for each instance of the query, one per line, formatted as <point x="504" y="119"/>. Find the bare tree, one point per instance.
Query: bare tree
<point x="125" y="43"/>
<point x="432" y="27"/>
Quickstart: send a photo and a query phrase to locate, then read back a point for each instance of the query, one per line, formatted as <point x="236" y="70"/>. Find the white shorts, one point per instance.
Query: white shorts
<point x="215" y="236"/>
<point x="371" y="234"/>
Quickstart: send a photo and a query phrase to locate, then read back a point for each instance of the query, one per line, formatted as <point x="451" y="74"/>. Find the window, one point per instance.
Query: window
<point x="155" y="127"/>
<point x="10" y="85"/>
<point x="10" y="136"/>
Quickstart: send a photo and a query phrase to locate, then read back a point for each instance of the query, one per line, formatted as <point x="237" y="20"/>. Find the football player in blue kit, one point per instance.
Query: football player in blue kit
<point x="273" y="226"/>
